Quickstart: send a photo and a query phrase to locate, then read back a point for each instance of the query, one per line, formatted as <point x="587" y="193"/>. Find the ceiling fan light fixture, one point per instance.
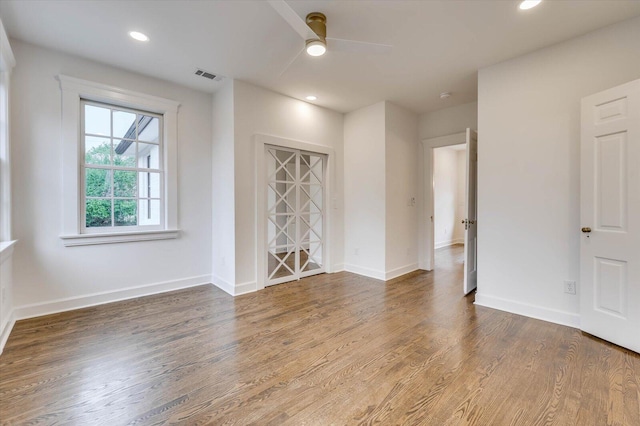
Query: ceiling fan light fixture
<point x="316" y="47"/>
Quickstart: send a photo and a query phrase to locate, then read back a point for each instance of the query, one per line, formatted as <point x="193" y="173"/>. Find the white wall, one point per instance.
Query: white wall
<point x="381" y="177"/>
<point x="45" y="270"/>
<point x="261" y="111"/>
<point x="364" y="189"/>
<point x="445" y="195"/>
<point x="401" y="169"/>
<point x="448" y="121"/>
<point x="223" y="188"/>
<point x="528" y="167"/>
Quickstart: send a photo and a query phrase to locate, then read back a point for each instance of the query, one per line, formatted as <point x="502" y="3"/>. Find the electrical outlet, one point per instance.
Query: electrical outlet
<point x="356" y="251"/>
<point x="570" y="287"/>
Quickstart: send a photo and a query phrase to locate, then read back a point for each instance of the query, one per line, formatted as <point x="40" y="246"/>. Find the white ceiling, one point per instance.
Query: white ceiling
<point x="438" y="45"/>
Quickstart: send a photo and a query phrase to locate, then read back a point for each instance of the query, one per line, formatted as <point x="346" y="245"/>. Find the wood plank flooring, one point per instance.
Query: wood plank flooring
<point x="328" y="350"/>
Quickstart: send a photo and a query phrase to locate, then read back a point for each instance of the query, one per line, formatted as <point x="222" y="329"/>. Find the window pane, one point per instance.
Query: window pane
<point x="97" y="120"/>
<point x="124" y="153"/>
<point x="149" y="184"/>
<point x="124" y="125"/>
<point x="97" y="182"/>
<point x="125" y="212"/>
<point x="98" y="213"/>
<point x="149" y="212"/>
<point x="148" y="128"/>
<point x="148" y="156"/>
<point x="124" y="183"/>
<point x="97" y="150"/>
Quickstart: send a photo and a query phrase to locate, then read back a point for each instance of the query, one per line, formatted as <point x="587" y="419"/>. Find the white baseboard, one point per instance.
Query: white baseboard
<point x="532" y="311"/>
<point x="367" y="272"/>
<point x="244" y="288"/>
<point x="381" y="275"/>
<point x="449" y="243"/>
<point x="222" y="284"/>
<point x="6" y="330"/>
<point x="72" y="303"/>
<point x="338" y="267"/>
<point x="397" y="272"/>
<point x="234" y="289"/>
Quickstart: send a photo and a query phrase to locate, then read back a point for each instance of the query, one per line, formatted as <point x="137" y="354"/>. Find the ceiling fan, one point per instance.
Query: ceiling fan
<point x="313" y="31"/>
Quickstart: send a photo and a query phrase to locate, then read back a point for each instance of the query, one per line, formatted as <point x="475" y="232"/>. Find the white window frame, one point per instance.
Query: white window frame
<point x="73" y="91"/>
<point x="137" y="169"/>
<point x="7" y="62"/>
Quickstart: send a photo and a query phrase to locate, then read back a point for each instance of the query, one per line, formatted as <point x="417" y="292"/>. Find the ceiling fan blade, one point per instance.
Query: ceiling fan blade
<point x="353" y="46"/>
<point x="291" y="62"/>
<point x="293" y="19"/>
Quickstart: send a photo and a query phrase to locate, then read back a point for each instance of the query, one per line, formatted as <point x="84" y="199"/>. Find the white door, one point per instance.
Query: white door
<point x="470" y="222"/>
<point x="295" y="214"/>
<point x="610" y="215"/>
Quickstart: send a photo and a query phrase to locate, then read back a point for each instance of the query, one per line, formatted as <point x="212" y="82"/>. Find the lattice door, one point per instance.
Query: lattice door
<point x="295" y="214"/>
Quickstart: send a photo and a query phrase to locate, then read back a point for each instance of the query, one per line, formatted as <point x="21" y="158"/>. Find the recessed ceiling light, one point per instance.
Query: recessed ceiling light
<point x="316" y="47"/>
<point x="445" y="95"/>
<point x="529" y="4"/>
<point x="311" y="98"/>
<point x="138" y="36"/>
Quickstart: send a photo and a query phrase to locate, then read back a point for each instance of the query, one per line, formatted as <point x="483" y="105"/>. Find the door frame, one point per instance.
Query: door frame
<point x="426" y="230"/>
<point x="260" y="140"/>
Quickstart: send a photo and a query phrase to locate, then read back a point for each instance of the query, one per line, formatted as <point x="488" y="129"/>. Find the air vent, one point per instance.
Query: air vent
<point x="208" y="75"/>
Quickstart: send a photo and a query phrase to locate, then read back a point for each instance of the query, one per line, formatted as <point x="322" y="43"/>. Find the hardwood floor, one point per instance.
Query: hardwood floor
<point x="331" y="349"/>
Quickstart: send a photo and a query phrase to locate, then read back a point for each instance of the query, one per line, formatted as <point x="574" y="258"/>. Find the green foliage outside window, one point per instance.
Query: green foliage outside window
<point x="98" y="184"/>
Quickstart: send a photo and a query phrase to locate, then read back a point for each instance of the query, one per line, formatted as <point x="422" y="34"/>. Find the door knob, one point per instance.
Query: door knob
<point x="586" y="229"/>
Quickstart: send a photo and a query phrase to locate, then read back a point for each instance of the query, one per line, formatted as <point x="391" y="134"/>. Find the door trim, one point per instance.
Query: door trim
<point x="260" y="140"/>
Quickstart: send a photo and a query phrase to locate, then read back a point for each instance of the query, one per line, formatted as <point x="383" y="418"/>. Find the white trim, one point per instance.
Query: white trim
<point x="448" y="243"/>
<point x="5" y="332"/>
<point x="7" y="60"/>
<point x="6" y="250"/>
<point x="367" y="272"/>
<point x="260" y="141"/>
<point x="233" y="290"/>
<point x="116" y="95"/>
<point x="73" y="90"/>
<point x="568" y="319"/>
<point x="398" y="272"/>
<point x="338" y="267"/>
<point x="79" y="302"/>
<point x="118" y="237"/>
<point x="244" y="288"/>
<point x="5" y="158"/>
<point x="222" y="284"/>
<point x="426" y="253"/>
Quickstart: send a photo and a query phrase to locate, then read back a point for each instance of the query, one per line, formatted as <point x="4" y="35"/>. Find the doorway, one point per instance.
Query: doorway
<point x="429" y="238"/>
<point x="449" y="178"/>
<point x="295" y="211"/>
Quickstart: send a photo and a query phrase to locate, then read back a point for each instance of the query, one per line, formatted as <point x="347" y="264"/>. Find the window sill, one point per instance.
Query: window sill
<point x="118" y="237"/>
<point x="6" y="249"/>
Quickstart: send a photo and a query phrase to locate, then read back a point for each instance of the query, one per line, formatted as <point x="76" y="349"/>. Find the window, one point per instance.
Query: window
<point x="122" y="168"/>
<point x="119" y="152"/>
